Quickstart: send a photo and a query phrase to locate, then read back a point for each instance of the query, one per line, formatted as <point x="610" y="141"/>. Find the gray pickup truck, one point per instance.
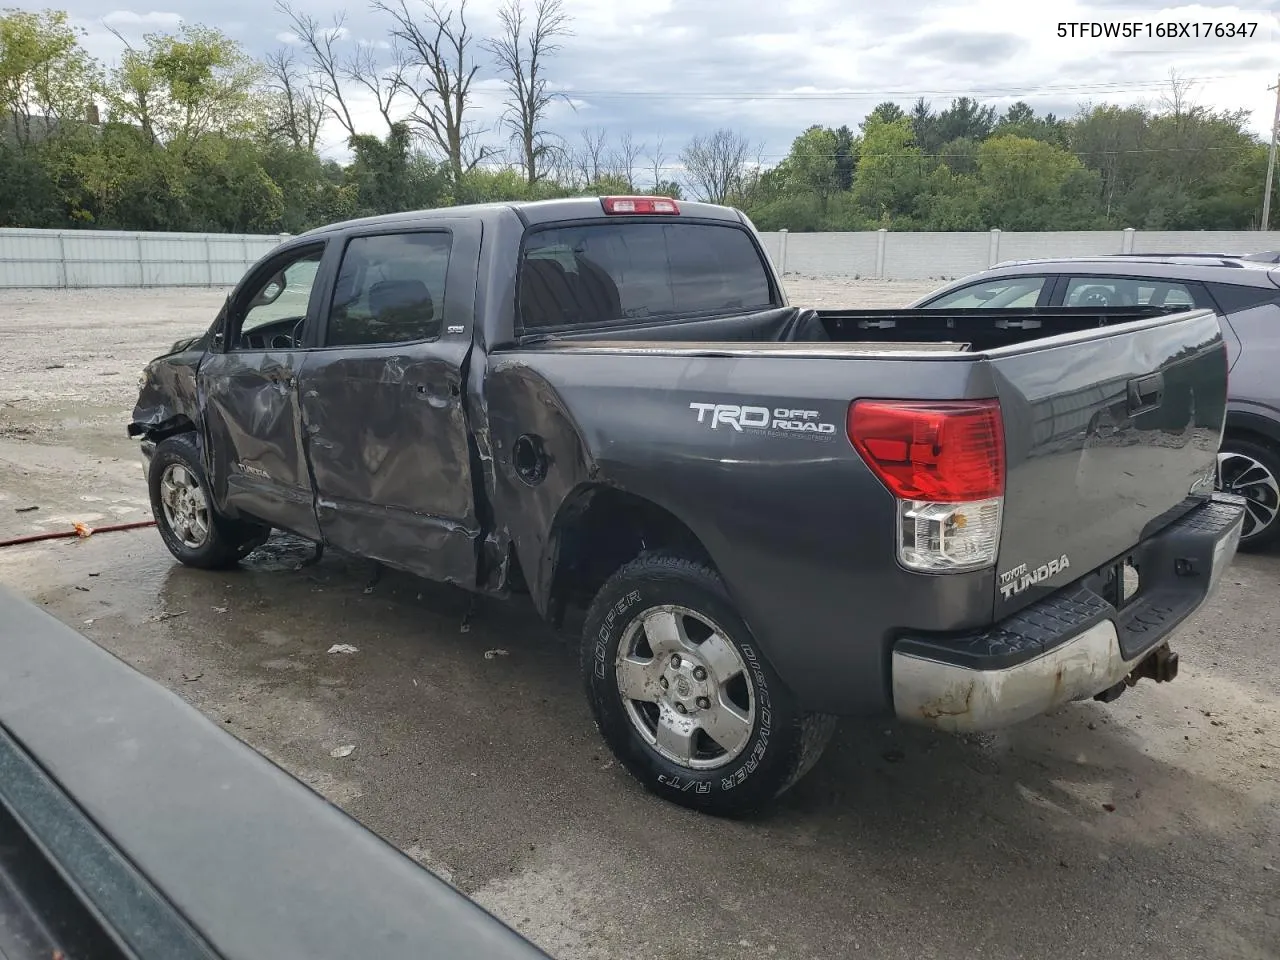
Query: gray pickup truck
<point x="769" y="516"/>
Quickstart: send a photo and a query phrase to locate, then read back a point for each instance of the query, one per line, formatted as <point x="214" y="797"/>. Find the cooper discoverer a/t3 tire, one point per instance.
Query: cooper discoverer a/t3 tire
<point x="684" y="697"/>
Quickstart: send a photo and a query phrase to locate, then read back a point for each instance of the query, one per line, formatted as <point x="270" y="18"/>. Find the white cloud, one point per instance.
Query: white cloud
<point x="156" y="18"/>
<point x="769" y="69"/>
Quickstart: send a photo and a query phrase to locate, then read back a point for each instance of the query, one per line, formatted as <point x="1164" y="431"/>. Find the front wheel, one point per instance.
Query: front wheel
<point x="1252" y="470"/>
<point x="192" y="530"/>
<point x="683" y="696"/>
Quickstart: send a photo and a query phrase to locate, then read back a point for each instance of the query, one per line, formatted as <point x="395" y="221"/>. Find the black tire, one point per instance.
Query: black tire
<point x="227" y="541"/>
<point x="783" y="742"/>
<point x="1263" y="492"/>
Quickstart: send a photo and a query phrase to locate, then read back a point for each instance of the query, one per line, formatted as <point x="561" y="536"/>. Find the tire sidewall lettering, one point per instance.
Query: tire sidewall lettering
<point x="601" y="647"/>
<point x="690" y="781"/>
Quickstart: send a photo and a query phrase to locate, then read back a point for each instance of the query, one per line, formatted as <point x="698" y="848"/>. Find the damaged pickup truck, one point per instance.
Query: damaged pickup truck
<point x="772" y="516"/>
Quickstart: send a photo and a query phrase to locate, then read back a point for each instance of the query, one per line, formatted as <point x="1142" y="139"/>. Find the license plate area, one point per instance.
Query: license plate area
<point x="1121" y="582"/>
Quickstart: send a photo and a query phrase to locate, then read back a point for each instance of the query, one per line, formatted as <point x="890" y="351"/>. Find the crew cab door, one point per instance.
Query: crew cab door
<point x="249" y="395"/>
<point x="383" y="399"/>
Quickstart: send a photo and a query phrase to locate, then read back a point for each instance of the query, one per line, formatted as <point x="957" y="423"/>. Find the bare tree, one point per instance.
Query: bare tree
<point x="299" y="108"/>
<point x="625" y="158"/>
<point x="362" y="68"/>
<point x="1176" y="100"/>
<point x="436" y="70"/>
<point x="591" y="158"/>
<point x="329" y="70"/>
<point x="521" y="52"/>
<point x="716" y="164"/>
<point x="657" y="163"/>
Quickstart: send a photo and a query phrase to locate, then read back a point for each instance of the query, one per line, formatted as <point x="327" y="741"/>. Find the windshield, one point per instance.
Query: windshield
<point x="597" y="274"/>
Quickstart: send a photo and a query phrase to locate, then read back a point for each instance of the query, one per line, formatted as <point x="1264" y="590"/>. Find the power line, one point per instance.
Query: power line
<point x="870" y="94"/>
<point x="973" y="156"/>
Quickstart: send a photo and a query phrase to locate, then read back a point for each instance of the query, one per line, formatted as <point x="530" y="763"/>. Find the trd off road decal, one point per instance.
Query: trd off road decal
<point x="770" y="421"/>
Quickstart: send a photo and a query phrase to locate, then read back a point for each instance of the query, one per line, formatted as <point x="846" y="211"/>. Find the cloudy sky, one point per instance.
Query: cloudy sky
<point x="768" y="68"/>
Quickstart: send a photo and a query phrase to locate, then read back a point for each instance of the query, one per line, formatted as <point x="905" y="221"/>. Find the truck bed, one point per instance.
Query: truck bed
<point x="800" y="330"/>
<point x="1110" y="424"/>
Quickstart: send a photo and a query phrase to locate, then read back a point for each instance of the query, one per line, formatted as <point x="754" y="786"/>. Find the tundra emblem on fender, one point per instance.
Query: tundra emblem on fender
<point x="1013" y="582"/>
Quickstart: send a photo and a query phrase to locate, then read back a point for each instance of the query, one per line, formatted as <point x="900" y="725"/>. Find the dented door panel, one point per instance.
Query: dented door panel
<point x="387" y="438"/>
<point x="387" y="435"/>
<point x="248" y="395"/>
<point x="251" y="417"/>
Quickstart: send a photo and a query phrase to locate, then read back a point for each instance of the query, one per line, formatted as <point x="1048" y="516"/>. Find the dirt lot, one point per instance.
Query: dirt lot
<point x="900" y="844"/>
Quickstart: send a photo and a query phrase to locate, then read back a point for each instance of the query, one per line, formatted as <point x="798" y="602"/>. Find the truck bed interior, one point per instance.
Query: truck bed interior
<point x="802" y="329"/>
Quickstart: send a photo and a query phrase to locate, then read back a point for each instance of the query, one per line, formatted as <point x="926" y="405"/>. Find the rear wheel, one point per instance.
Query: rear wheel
<point x="1252" y="470"/>
<point x="192" y="530"/>
<point x="682" y="695"/>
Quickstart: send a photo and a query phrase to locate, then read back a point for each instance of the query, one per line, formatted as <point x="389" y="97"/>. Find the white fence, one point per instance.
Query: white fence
<point x="888" y="255"/>
<point x="94" y="258"/>
<point x="116" y="258"/>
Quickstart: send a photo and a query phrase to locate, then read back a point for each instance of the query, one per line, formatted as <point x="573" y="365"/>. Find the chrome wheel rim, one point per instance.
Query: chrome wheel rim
<point x="1244" y="476"/>
<point x="685" y="687"/>
<point x="186" y="512"/>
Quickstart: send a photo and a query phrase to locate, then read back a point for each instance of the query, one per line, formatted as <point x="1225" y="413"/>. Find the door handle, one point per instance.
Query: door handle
<point x="425" y="392"/>
<point x="1145" y="393"/>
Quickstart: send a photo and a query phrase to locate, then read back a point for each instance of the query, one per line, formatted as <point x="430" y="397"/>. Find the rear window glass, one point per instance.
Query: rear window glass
<point x="599" y="274"/>
<point x="1233" y="298"/>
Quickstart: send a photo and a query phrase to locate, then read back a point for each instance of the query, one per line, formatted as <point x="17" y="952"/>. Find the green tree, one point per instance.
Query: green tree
<point x="1026" y="184"/>
<point x="389" y="177"/>
<point x="965" y="119"/>
<point x="891" y="174"/>
<point x="846" y="157"/>
<point x="181" y="87"/>
<point x="46" y="78"/>
<point x="811" y="165"/>
<point x="1020" y="120"/>
<point x="885" y="112"/>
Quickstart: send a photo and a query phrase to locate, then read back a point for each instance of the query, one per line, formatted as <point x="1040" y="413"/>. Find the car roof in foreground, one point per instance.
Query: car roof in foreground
<point x="531" y="211"/>
<point x="1222" y="268"/>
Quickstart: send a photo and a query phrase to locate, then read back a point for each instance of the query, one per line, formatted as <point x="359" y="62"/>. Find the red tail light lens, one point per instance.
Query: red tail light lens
<point x="640" y="205"/>
<point x="937" y="451"/>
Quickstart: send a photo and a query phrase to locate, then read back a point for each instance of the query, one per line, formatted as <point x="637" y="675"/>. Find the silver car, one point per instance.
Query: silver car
<point x="1243" y="289"/>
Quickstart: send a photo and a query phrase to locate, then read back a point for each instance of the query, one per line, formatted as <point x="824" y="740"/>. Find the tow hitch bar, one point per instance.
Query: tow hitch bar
<point x="1160" y="665"/>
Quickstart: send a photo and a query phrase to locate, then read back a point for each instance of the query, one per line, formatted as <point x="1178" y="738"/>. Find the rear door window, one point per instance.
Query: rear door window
<point x="390" y="289"/>
<point x="1130" y="292"/>
<point x="601" y="274"/>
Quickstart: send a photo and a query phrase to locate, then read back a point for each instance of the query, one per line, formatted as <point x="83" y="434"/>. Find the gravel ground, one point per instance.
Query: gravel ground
<point x="901" y="843"/>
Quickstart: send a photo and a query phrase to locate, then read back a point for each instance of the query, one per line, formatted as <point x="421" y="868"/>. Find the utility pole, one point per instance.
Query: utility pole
<point x="1271" y="159"/>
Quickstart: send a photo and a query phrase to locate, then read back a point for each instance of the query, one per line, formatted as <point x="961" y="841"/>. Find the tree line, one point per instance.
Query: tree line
<point x="187" y="131"/>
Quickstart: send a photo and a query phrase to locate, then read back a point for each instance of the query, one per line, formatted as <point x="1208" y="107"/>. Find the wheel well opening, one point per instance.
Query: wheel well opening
<point x="1235" y="432"/>
<point x="603" y="529"/>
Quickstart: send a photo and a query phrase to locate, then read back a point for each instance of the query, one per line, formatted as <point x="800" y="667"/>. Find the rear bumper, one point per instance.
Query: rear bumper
<point x="1072" y="645"/>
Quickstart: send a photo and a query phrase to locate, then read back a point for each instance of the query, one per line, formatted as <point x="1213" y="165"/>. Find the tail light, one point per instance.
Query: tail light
<point x="639" y="205"/>
<point x="944" y="461"/>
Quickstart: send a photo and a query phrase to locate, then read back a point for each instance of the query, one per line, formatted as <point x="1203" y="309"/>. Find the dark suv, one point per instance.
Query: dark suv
<point x="1244" y="290"/>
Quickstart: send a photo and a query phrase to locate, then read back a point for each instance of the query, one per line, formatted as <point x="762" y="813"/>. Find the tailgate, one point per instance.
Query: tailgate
<point x="1109" y="435"/>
